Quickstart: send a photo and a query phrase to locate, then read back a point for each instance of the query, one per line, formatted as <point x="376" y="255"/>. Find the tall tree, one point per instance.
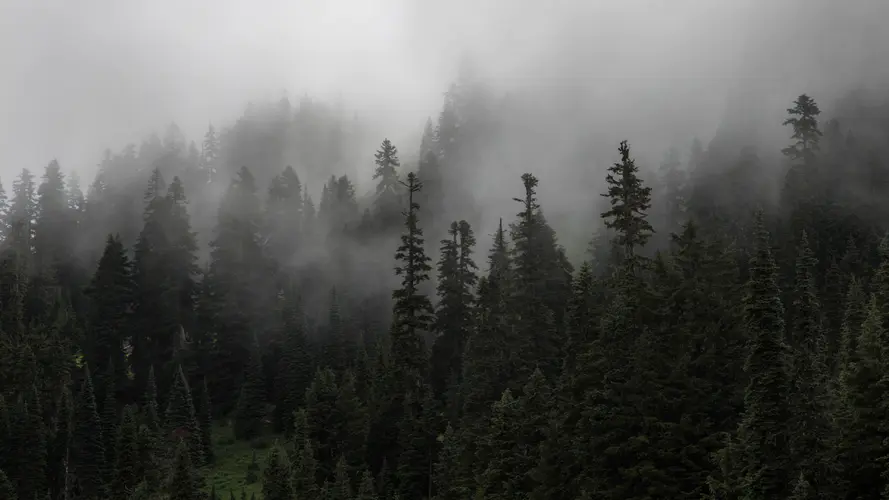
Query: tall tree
<point x="250" y="409"/>
<point x="456" y="283"/>
<point x="630" y="201"/>
<point x="87" y="452"/>
<point x="110" y="294"/>
<point x="762" y="437"/>
<point x="180" y="421"/>
<point x="388" y="192"/>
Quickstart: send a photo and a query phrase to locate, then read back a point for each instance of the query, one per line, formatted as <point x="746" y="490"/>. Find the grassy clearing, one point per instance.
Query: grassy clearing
<point x="229" y="472"/>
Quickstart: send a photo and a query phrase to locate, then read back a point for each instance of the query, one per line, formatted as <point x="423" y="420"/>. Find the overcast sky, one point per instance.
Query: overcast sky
<point x="80" y="76"/>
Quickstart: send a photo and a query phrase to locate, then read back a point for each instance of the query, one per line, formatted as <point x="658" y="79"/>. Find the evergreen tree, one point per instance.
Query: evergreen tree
<point x="804" y="120"/>
<point x="366" y="487"/>
<point x="209" y="155"/>
<point x="388" y="192"/>
<point x="183" y="485"/>
<point x="304" y="472"/>
<point x="810" y="428"/>
<point x="180" y="421"/>
<point x="61" y="443"/>
<point x="203" y="414"/>
<point x="237" y="293"/>
<point x="294" y="369"/>
<point x="276" y="477"/>
<point x="412" y="310"/>
<point x="449" y="480"/>
<point x="340" y="488"/>
<point x="7" y="491"/>
<point x="456" y="281"/>
<point x="862" y="441"/>
<point x="128" y="467"/>
<point x="250" y="409"/>
<point x="150" y="410"/>
<point x="542" y="287"/>
<point x="323" y="418"/>
<point x="763" y="447"/>
<point x="110" y="294"/>
<point x="629" y="200"/>
<point x="418" y="444"/>
<point x="87" y="453"/>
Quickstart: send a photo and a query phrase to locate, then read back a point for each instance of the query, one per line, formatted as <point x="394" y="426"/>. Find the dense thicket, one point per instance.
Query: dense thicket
<point x="719" y="342"/>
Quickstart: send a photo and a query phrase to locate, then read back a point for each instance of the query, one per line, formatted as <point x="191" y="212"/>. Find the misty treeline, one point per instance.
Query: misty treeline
<point x="726" y="336"/>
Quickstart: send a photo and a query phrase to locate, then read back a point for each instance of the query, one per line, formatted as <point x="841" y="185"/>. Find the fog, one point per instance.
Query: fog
<point x="83" y="76"/>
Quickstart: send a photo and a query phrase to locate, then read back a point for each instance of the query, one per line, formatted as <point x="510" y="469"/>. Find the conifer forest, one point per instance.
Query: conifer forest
<point x="293" y="306"/>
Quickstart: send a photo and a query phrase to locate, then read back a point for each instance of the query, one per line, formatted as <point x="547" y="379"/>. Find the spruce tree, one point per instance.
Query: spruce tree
<point x="87" y="453"/>
<point x="110" y="293"/>
<point x="862" y="442"/>
<point x="61" y="442"/>
<point x="366" y="487"/>
<point x="203" y="414"/>
<point x="276" y="483"/>
<point x="323" y="419"/>
<point x="183" y="485"/>
<point x="7" y="491"/>
<point x="250" y="409"/>
<point x="456" y="282"/>
<point x="412" y="309"/>
<point x="630" y="201"/>
<point x="305" y="466"/>
<point x="340" y="488"/>
<point x="810" y="429"/>
<point x="763" y="441"/>
<point x="150" y="411"/>
<point x="180" y="421"/>
<point x="449" y="480"/>
<point x="128" y="466"/>
<point x="294" y="366"/>
<point x="388" y="191"/>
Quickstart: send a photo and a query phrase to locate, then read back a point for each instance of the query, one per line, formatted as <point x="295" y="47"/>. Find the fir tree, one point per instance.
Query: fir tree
<point x="763" y="446"/>
<point x="804" y="120"/>
<point x="294" y="370"/>
<point x="456" y="281"/>
<point x="183" y="485"/>
<point x="180" y="421"/>
<point x="110" y="293"/>
<point x="412" y="310"/>
<point x="341" y="488"/>
<point x="629" y="200"/>
<point x="250" y="409"/>
<point x="304" y="472"/>
<point x="276" y="483"/>
<point x="810" y="429"/>
<point x="128" y="465"/>
<point x="7" y="491"/>
<point x="203" y="414"/>
<point x="388" y="191"/>
<point x="366" y="487"/>
<point x="87" y="453"/>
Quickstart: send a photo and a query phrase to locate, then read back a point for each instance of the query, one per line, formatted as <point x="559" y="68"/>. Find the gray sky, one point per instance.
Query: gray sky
<point x="80" y="76"/>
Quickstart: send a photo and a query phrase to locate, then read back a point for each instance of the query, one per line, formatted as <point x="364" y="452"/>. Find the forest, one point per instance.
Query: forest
<point x="197" y="323"/>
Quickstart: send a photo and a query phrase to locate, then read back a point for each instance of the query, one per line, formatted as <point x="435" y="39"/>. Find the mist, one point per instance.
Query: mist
<point x="82" y="77"/>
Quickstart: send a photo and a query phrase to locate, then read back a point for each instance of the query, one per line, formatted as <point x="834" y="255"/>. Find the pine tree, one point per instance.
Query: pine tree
<point x="150" y="411"/>
<point x="203" y="414"/>
<point x="237" y="291"/>
<point x="341" y="488"/>
<point x="322" y="419"/>
<point x="276" y="476"/>
<point x="388" y="192"/>
<point x="862" y="443"/>
<point x="294" y="369"/>
<point x="87" y="452"/>
<point x="128" y="465"/>
<point x="366" y="487"/>
<point x="180" y="421"/>
<point x="183" y="485"/>
<point x="449" y="480"/>
<point x="304" y="472"/>
<point x="209" y="155"/>
<point x="456" y="281"/>
<point x="763" y="446"/>
<point x="110" y="293"/>
<point x="61" y="443"/>
<point x="804" y="120"/>
<point x="810" y="429"/>
<point x="630" y="200"/>
<point x="7" y="491"/>
<point x="250" y="409"/>
<point x="412" y="310"/>
<point x="418" y="444"/>
<point x="542" y="288"/>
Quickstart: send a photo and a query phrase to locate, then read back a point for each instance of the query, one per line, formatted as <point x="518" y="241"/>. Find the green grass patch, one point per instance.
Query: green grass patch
<point x="233" y="457"/>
